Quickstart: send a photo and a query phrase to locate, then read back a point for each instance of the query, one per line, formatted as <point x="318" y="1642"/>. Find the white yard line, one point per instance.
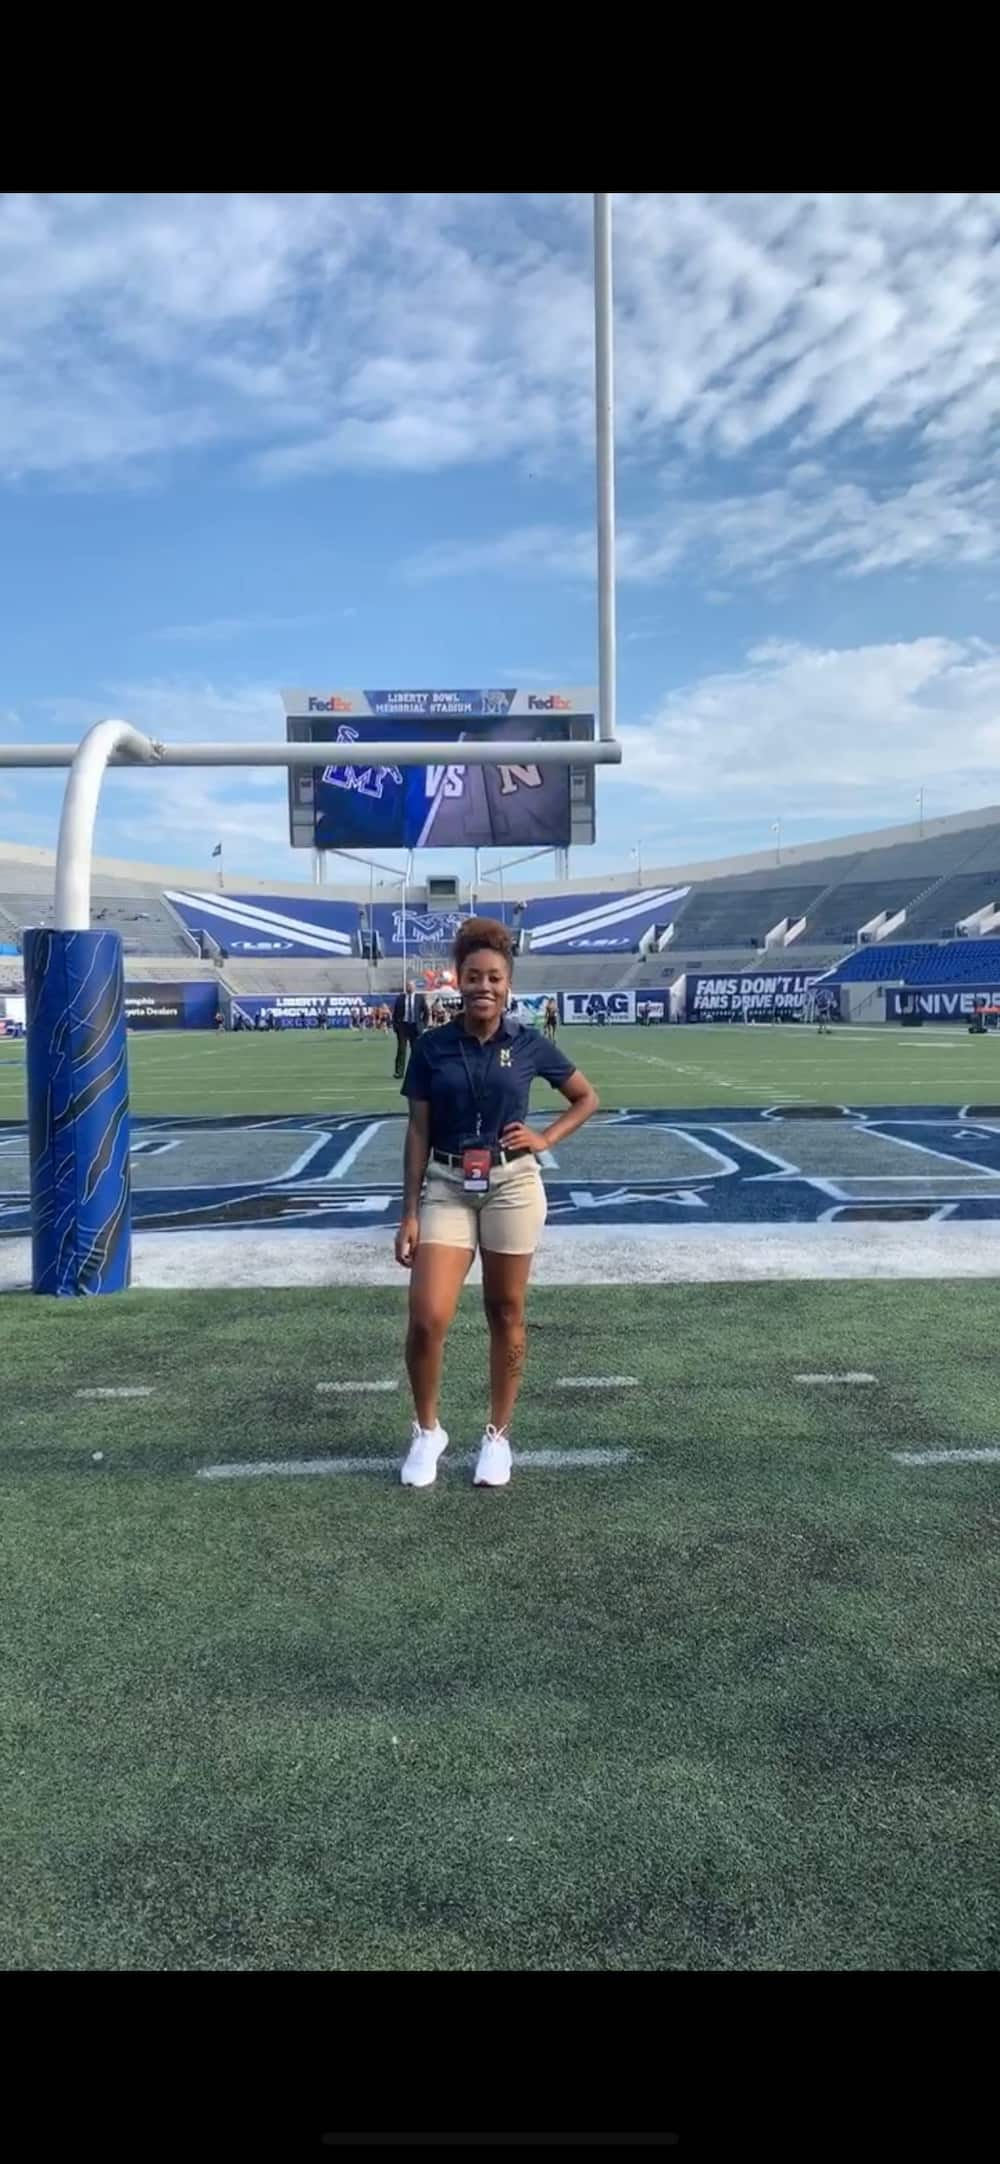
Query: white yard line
<point x="768" y="1090"/>
<point x="597" y="1382"/>
<point x="852" y="1376"/>
<point x="547" y="1461"/>
<point x="356" y="1389"/>
<point x="125" y="1392"/>
<point x="990" y="1456"/>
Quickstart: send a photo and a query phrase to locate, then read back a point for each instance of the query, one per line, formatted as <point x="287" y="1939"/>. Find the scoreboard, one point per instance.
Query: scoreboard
<point x="346" y="803"/>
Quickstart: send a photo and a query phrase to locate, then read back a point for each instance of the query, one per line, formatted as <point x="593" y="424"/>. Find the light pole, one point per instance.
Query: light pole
<point x="495" y="879"/>
<point x="636" y="855"/>
<point x="776" y="831"/>
<point x="920" y="811"/>
<point x="401" y="882"/>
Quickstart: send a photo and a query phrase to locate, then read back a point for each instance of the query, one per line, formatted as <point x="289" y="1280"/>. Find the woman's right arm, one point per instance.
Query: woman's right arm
<point x="416" y="1151"/>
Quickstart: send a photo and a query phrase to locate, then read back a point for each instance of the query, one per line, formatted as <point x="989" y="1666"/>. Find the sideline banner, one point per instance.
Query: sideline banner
<point x="940" y="1002"/>
<point x="772" y="995"/>
<point x="174" y="1004"/>
<point x="599" y="1007"/>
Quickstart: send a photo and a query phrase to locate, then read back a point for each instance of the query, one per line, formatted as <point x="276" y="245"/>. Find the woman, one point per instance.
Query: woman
<point x="468" y="1086"/>
<point x="551" y="1019"/>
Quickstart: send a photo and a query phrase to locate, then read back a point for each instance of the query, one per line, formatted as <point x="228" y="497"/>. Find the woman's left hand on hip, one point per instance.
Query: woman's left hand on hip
<point x="519" y="1137"/>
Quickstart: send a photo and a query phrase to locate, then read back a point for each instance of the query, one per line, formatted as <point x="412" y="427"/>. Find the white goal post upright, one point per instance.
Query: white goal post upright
<point x="604" y="398"/>
<point x="77" y="1059"/>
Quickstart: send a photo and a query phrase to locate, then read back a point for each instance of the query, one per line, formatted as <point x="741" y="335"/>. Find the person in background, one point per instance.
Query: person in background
<point x="550" y="1020"/>
<point x="438" y="1016"/>
<point x="220" y="1021"/>
<point x="468" y="1086"/>
<point x="409" y="1018"/>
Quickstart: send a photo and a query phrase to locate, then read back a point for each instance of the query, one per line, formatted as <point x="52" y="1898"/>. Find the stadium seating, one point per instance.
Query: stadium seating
<point x="960" y="961"/>
<point x="598" y="923"/>
<point x="146" y="925"/>
<point x="256" y="925"/>
<point x="740" y="913"/>
<point x="854" y="902"/>
<point x="573" y="939"/>
<point x="570" y="973"/>
<point x="937" y="913"/>
<point x="298" y="979"/>
<point x="169" y="968"/>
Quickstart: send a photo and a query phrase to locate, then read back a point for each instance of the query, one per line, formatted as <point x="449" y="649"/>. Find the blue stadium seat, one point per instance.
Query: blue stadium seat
<point x="611" y="923"/>
<point x="957" y="961"/>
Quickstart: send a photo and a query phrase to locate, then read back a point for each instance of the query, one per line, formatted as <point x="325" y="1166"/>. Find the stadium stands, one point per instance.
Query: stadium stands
<point x="599" y="923"/>
<point x="936" y="915"/>
<point x="255" y="925"/>
<point x="293" y="979"/>
<point x="848" y="906"/>
<point x="313" y="939"/>
<point x="573" y="973"/>
<point x="740" y="913"/>
<point x="169" y="968"/>
<point x="960" y="961"/>
<point x="144" y="922"/>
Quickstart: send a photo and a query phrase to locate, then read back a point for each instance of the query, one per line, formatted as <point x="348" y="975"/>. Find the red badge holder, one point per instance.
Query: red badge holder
<point x="476" y="1171"/>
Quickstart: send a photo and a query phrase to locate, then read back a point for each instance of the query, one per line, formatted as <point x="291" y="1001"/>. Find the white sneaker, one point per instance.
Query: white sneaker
<point x="494" y="1461"/>
<point x="421" y="1464"/>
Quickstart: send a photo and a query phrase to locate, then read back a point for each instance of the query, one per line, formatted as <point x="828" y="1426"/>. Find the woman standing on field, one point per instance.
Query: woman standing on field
<point x="468" y="1086"/>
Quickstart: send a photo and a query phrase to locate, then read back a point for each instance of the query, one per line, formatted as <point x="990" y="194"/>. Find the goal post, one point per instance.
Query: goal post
<point x="77" y="1045"/>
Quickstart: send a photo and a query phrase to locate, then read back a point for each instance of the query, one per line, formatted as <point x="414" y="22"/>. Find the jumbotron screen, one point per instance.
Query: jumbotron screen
<point x="345" y="803"/>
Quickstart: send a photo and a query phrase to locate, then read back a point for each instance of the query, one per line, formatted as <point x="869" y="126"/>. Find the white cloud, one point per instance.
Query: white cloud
<point x="812" y="519"/>
<point x="831" y="739"/>
<point x="316" y="333"/>
<point x="838" y="733"/>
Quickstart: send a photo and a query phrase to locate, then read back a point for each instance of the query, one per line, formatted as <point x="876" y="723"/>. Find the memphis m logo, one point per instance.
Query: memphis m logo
<point x="434" y="927"/>
<point x="369" y="781"/>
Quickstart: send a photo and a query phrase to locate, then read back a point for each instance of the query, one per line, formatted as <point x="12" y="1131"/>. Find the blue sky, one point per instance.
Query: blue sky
<point x="251" y="441"/>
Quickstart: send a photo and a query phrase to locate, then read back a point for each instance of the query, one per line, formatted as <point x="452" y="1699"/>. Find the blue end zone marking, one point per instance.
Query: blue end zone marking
<point x="749" y="1170"/>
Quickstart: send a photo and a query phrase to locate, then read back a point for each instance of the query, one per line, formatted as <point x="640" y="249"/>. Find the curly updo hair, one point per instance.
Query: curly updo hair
<point x="474" y="933"/>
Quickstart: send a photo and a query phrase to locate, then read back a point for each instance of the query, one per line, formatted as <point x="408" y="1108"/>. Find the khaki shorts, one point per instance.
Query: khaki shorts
<point x="507" y="1220"/>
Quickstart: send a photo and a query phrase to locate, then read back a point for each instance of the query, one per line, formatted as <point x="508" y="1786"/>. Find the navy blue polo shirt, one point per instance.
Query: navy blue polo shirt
<point x="501" y="1071"/>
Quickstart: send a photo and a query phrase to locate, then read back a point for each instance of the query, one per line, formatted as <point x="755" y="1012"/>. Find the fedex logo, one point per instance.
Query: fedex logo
<point x="332" y="705"/>
<point x="554" y="704"/>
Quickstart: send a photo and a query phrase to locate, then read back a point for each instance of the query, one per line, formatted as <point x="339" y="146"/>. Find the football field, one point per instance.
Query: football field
<point x="712" y="1686"/>
<point x="182" y="1073"/>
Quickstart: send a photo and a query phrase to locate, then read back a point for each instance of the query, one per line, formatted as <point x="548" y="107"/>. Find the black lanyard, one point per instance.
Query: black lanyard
<point x="479" y="1086"/>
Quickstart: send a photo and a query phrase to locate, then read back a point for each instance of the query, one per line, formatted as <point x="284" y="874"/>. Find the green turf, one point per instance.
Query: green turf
<point x="733" y="1707"/>
<point x="190" y="1072"/>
